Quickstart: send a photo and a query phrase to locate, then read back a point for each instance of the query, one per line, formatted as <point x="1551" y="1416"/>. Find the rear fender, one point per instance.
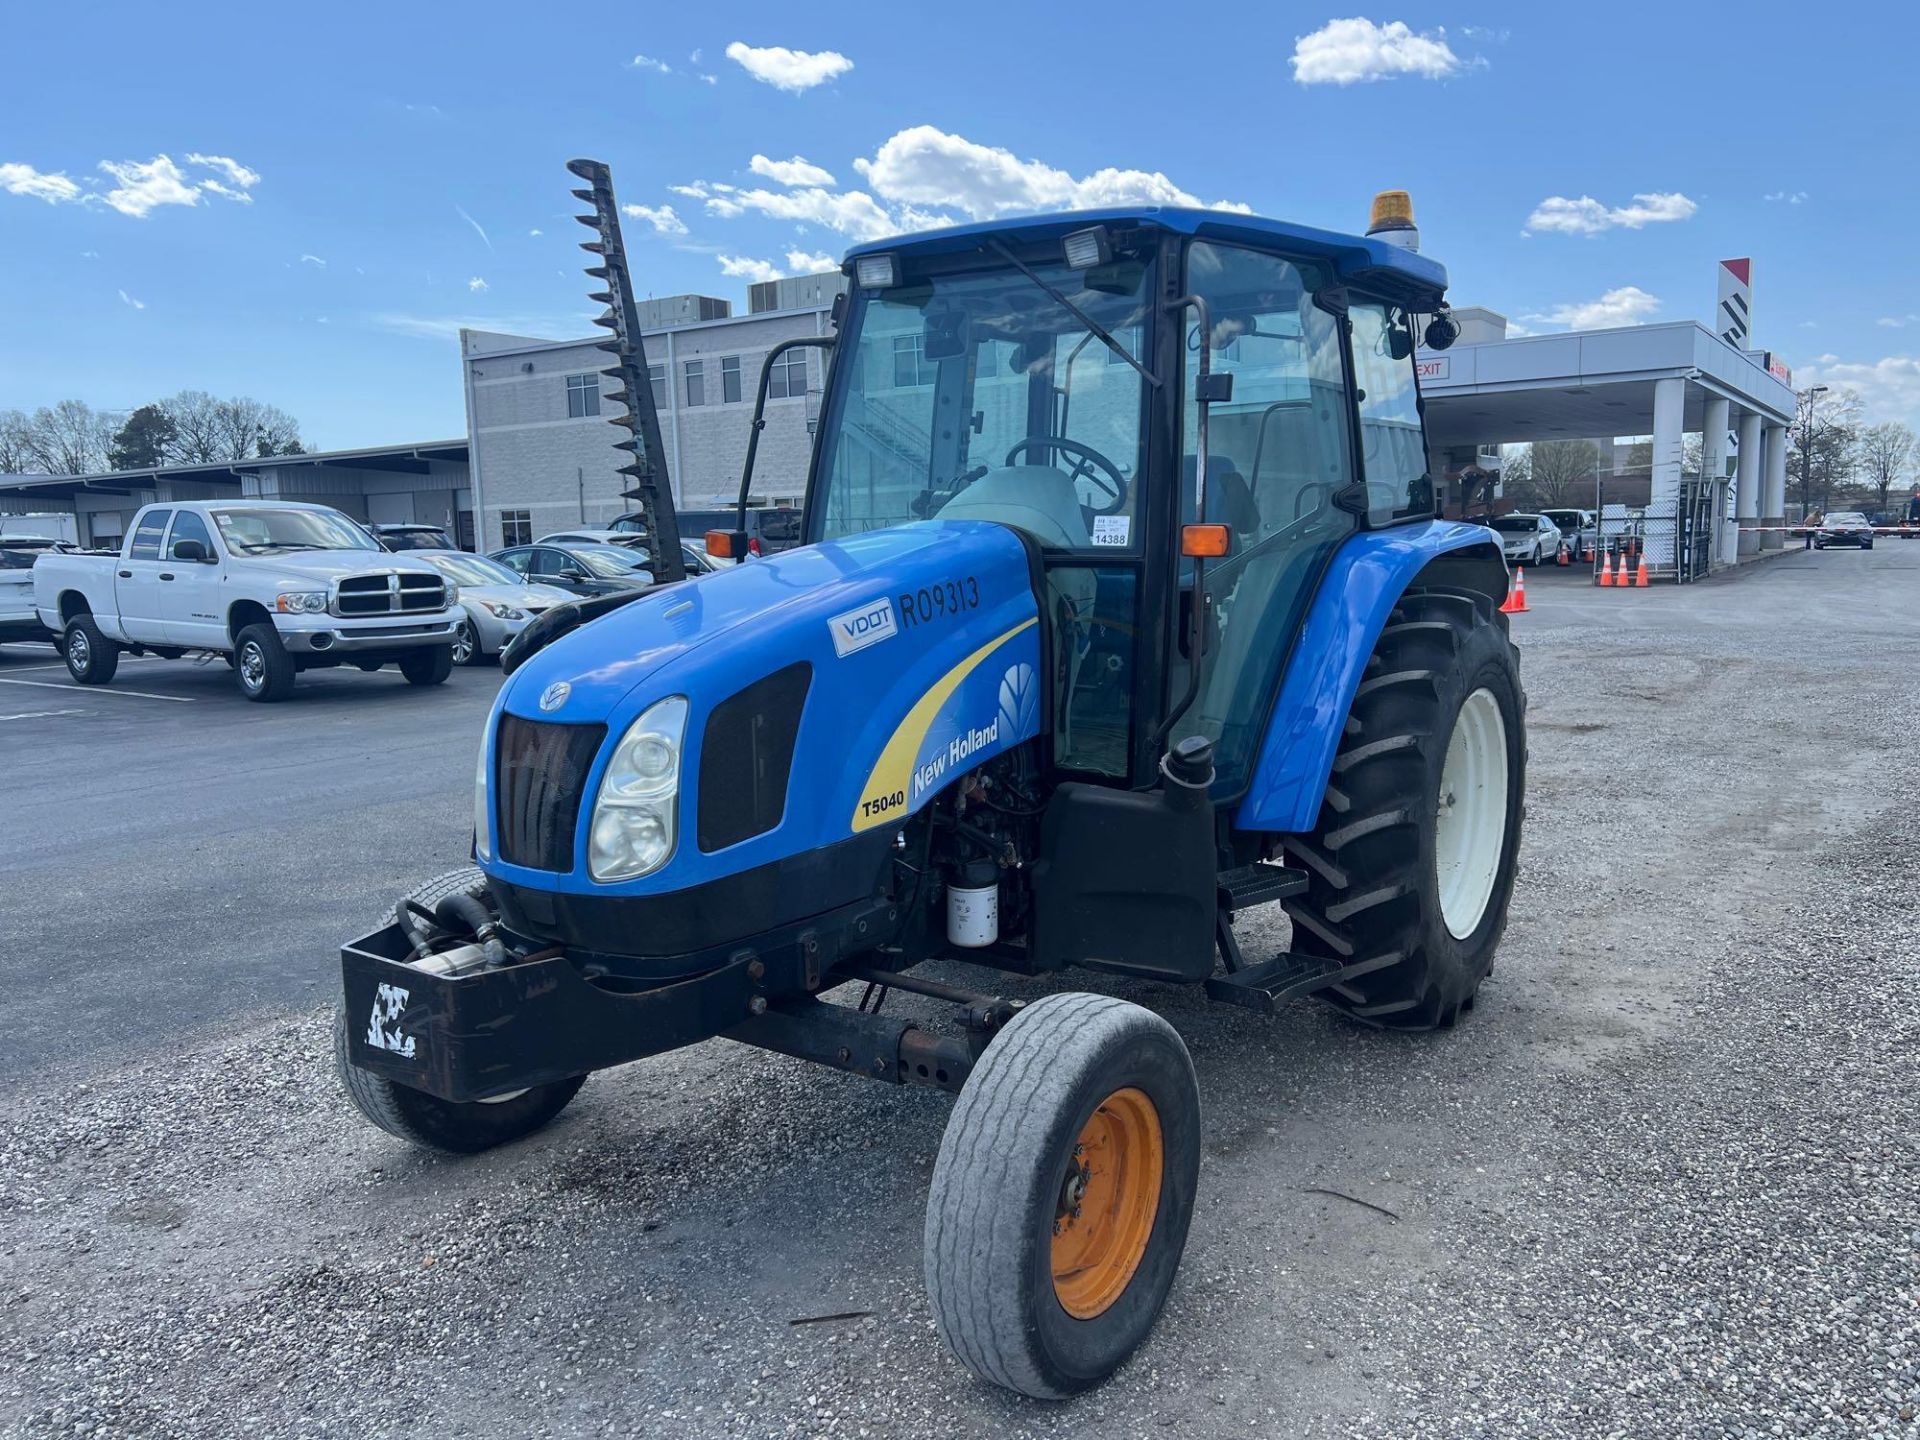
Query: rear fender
<point x="1362" y="585"/>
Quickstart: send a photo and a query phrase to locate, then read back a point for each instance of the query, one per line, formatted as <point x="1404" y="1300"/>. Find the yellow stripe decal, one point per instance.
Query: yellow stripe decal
<point x="885" y="795"/>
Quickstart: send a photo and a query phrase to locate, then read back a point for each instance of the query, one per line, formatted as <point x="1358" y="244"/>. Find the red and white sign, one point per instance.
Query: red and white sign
<point x="1734" y="318"/>
<point x="1438" y="367"/>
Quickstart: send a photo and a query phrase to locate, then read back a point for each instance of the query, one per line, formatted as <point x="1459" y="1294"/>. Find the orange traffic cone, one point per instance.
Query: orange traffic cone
<point x="1640" y="575"/>
<point x="1565" y="556"/>
<point x="1516" y="601"/>
<point x="1606" y="574"/>
<point x="1620" y="576"/>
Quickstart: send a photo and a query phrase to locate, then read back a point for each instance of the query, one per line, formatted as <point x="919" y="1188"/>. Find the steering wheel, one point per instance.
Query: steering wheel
<point x="1086" y="462"/>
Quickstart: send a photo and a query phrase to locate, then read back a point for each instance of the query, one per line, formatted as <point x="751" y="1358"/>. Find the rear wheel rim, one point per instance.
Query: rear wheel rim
<point x="462" y="643"/>
<point x="1109" y="1198"/>
<point x="79" y="650"/>
<point x="1470" y="829"/>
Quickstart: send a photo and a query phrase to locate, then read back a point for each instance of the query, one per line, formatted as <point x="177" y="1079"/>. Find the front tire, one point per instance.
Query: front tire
<point x="91" y="657"/>
<point x="261" y="666"/>
<point x="466" y="645"/>
<point x="427" y="667"/>
<point x="1411" y="864"/>
<point x="426" y="1120"/>
<point x="1061" y="1199"/>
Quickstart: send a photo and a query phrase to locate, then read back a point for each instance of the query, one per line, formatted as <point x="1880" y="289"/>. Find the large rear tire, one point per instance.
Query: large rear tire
<point x="427" y="666"/>
<point x="91" y="657"/>
<point x="1411" y="864"/>
<point x="426" y="1120"/>
<point x="1061" y="1198"/>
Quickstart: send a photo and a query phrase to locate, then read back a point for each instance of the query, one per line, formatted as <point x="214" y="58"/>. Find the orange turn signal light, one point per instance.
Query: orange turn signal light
<point x="720" y="544"/>
<point x="1209" y="542"/>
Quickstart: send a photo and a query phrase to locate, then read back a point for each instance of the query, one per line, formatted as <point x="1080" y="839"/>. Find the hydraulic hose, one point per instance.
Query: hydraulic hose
<point x="463" y="912"/>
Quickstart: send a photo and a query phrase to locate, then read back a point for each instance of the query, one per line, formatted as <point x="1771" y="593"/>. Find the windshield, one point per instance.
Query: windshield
<point x="268" y="532"/>
<point x="1516" y="524"/>
<point x="415" y="539"/>
<point x="981" y="396"/>
<point x="472" y="570"/>
<point x="612" y="561"/>
<point x="1847" y="517"/>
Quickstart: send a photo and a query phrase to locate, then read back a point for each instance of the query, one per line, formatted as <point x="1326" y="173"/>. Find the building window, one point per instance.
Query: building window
<point x="910" y="365"/>
<point x="730" y="379"/>
<point x="583" y="396"/>
<point x="696" y="382"/>
<point x="789" y="379"/>
<point x="657" y="382"/>
<point x="516" y="527"/>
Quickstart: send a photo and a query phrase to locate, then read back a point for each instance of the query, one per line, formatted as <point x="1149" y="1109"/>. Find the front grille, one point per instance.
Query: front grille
<point x="746" y="758"/>
<point x="393" y="592"/>
<point x="540" y="777"/>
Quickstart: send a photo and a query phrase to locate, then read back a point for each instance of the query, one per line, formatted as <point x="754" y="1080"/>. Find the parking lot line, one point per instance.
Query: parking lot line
<point x="102" y="690"/>
<point x="41" y="714"/>
<point x="61" y="665"/>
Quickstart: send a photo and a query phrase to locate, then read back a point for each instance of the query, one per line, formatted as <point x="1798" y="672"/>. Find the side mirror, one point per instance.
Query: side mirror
<point x="194" y="552"/>
<point x="572" y="576"/>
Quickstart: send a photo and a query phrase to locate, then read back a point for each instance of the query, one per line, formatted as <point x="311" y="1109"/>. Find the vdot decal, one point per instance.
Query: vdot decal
<point x="388" y="1003"/>
<point x="975" y="710"/>
<point x="857" y="629"/>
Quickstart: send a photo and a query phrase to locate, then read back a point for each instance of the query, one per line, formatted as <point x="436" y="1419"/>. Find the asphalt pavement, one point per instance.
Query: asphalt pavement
<point x="1662" y="1181"/>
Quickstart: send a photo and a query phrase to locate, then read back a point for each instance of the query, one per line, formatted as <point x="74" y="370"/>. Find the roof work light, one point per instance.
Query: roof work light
<point x="877" y="272"/>
<point x="1088" y="248"/>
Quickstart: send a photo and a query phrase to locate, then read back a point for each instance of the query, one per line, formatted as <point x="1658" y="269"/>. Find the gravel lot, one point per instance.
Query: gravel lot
<point x="1663" y="1181"/>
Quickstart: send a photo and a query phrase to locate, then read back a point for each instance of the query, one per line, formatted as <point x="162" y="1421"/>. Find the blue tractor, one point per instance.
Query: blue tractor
<point x="1123" y="608"/>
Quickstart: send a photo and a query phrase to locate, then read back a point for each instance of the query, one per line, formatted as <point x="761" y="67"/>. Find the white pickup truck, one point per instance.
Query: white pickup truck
<point x="276" y="587"/>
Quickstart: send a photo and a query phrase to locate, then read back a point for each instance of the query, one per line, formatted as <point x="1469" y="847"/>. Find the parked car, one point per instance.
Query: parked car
<point x="275" y="586"/>
<point x="1526" y="539"/>
<point x="579" y="569"/>
<point x="1578" y="530"/>
<point x="498" y="602"/>
<point x="18" y="620"/>
<point x="693" y="553"/>
<point x="1844" y="527"/>
<point x="412" y="537"/>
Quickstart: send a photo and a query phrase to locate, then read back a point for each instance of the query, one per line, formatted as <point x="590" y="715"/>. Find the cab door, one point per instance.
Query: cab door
<point x="192" y="608"/>
<point x="137" y="583"/>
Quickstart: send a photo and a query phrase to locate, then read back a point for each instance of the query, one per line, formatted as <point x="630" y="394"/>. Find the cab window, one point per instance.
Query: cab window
<point x="1395" y="448"/>
<point x="189" y="526"/>
<point x="147" y="535"/>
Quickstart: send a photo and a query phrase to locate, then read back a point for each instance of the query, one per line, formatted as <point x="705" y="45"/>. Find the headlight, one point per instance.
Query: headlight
<point x="301" y="602"/>
<point x="502" y="612"/>
<point x="634" y="815"/>
<point x="453" y="596"/>
<point x="482" y="811"/>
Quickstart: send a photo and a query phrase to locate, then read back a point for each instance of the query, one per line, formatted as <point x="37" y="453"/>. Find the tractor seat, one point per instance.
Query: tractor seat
<point x="1036" y="498"/>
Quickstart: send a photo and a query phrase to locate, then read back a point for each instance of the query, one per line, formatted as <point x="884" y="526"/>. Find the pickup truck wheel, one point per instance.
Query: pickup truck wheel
<point x="91" y="657"/>
<point x="425" y="1120"/>
<point x="1061" y="1198"/>
<point x="261" y="664"/>
<point x="427" y="667"/>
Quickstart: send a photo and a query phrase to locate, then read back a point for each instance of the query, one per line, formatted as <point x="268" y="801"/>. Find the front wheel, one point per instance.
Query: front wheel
<point x="427" y="667"/>
<point x="466" y="644"/>
<point x="261" y="666"/>
<point x="1061" y="1198"/>
<point x="1411" y="865"/>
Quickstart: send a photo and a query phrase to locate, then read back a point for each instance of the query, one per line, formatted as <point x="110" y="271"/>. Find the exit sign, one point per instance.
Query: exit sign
<point x="1437" y="368"/>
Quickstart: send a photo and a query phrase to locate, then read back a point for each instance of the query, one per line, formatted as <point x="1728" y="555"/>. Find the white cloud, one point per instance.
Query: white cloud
<point x="1897" y="322"/>
<point x="236" y="173"/>
<point x="800" y="262"/>
<point x="796" y="171"/>
<point x="535" y="234"/>
<point x="127" y="299"/>
<point x="647" y="62"/>
<point x="853" y="212"/>
<point x="89" y="254"/>
<point x="1628" y="305"/>
<point x="475" y="224"/>
<point x="693" y="57"/>
<point x="661" y="217"/>
<point x="744" y="266"/>
<point x="926" y="166"/>
<point x="791" y="70"/>
<point x="1343" y="52"/>
<point x="145" y="187"/>
<point x="1787" y="197"/>
<point x="1889" y="389"/>
<point x="18" y="179"/>
<point x="1587" y="216"/>
<point x="710" y="79"/>
<point x="313" y="260"/>
<point x="477" y="285"/>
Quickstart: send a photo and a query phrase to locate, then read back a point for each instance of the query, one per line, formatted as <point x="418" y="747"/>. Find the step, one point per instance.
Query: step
<point x="1266" y="986"/>
<point x="1257" y="884"/>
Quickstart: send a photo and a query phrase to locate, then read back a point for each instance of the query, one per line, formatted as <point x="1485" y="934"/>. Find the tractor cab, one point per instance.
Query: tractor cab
<point x="1166" y="404"/>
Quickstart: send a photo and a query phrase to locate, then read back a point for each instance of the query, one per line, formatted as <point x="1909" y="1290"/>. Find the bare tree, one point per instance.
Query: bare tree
<point x="16" y="453"/>
<point x="70" y="438"/>
<point x="1886" y="452"/>
<point x="1558" y="474"/>
<point x="1822" y="444"/>
<point x="197" y="428"/>
<point x="208" y="431"/>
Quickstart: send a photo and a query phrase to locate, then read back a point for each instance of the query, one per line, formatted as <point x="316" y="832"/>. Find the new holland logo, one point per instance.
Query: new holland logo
<point x="857" y="629"/>
<point x="555" y="695"/>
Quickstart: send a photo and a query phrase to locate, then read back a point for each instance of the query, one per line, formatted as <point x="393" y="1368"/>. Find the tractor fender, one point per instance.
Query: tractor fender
<point x="1362" y="584"/>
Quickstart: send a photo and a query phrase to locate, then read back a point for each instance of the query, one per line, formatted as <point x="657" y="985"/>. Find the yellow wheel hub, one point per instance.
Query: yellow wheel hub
<point x="1107" y="1203"/>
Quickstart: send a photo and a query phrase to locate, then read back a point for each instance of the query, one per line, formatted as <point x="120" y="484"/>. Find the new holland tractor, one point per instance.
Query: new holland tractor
<point x="1123" y="609"/>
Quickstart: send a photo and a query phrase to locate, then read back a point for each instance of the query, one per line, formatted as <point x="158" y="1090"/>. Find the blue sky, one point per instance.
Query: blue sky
<point x="368" y="178"/>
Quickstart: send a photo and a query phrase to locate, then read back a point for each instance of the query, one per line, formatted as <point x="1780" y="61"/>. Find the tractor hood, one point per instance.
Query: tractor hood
<point x="831" y="691"/>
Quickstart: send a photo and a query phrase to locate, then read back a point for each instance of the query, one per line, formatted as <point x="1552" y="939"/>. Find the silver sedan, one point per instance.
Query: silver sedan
<point x="498" y="602"/>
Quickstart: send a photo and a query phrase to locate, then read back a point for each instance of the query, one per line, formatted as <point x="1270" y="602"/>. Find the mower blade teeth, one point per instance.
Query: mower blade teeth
<point x="588" y="170"/>
<point x="598" y="272"/>
<point x="618" y="372"/>
<point x="612" y="347"/>
<point x="638" y="472"/>
<point x="600" y="297"/>
<point x="592" y="222"/>
<point x="632" y="447"/>
<point x="625" y="422"/>
<point x="610" y="320"/>
<point x="618" y="397"/>
<point x="587" y="195"/>
<point x="597" y="247"/>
